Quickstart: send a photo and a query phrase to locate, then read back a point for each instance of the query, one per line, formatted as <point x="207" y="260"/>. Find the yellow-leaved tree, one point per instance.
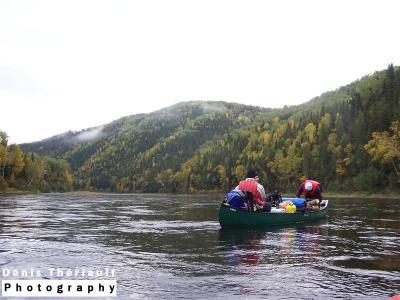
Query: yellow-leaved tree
<point x="15" y="160"/>
<point x="385" y="147"/>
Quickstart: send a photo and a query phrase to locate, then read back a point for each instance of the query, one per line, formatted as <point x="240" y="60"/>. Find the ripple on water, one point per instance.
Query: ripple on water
<point x="171" y="246"/>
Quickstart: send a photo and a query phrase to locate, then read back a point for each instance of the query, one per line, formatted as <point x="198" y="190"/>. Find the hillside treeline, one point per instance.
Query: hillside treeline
<point x="332" y="139"/>
<point x="29" y="172"/>
<point x="336" y="139"/>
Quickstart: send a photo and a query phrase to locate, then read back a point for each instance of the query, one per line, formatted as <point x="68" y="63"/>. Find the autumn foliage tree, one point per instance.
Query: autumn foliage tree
<point x="384" y="147"/>
<point x="30" y="172"/>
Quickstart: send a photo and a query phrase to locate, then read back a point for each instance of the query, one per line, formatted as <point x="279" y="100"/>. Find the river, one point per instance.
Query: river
<point x="171" y="246"/>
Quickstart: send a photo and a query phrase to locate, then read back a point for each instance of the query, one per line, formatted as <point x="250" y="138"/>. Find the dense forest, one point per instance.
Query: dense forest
<point x="30" y="172"/>
<point x="347" y="139"/>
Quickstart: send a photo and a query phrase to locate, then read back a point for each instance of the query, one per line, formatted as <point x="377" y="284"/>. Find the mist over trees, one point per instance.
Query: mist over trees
<point x="347" y="139"/>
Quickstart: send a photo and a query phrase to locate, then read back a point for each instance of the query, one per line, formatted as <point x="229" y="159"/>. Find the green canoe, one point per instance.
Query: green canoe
<point x="230" y="217"/>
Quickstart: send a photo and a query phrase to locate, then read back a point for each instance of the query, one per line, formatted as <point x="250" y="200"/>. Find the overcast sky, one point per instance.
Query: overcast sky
<point x="69" y="65"/>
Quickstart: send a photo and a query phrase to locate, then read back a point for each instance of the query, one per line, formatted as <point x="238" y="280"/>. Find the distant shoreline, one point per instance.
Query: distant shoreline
<point x="354" y="195"/>
<point x="389" y="195"/>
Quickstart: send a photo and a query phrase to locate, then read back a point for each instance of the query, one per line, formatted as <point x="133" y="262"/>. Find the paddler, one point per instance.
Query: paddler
<point x="313" y="193"/>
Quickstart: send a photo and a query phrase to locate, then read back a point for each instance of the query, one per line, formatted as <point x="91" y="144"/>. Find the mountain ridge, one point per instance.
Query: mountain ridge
<point x="184" y="147"/>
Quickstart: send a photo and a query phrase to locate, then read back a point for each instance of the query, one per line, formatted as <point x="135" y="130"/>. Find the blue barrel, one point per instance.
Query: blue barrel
<point x="299" y="202"/>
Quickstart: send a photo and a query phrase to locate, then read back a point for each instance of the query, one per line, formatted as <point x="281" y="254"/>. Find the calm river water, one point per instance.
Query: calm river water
<point x="171" y="246"/>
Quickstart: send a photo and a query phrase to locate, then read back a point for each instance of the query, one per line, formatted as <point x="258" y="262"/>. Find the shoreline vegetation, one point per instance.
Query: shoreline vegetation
<point x="327" y="195"/>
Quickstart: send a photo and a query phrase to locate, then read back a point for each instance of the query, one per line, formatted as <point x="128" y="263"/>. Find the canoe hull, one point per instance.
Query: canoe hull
<point x="230" y="217"/>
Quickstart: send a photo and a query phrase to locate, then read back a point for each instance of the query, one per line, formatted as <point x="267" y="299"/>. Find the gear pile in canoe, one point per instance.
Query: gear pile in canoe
<point x="282" y="211"/>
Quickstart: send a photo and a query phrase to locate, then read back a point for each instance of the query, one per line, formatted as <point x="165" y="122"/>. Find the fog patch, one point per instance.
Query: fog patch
<point x="90" y="134"/>
<point x="213" y="108"/>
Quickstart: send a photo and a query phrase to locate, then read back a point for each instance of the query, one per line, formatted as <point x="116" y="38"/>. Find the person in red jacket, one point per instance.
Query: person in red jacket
<point x="257" y="190"/>
<point x="312" y="192"/>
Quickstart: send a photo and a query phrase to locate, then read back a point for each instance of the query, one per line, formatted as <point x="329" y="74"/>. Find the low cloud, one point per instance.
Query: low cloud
<point x="213" y="107"/>
<point x="90" y="134"/>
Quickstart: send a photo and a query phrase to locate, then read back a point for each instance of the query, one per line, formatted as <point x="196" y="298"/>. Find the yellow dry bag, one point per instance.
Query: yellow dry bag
<point x="290" y="208"/>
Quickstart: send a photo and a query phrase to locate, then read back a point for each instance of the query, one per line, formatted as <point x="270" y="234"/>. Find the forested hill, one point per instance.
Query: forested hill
<point x="130" y="154"/>
<point x="348" y="139"/>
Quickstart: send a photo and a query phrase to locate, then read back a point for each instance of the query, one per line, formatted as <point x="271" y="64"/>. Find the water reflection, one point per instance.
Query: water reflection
<point x="242" y="245"/>
<point x="272" y="246"/>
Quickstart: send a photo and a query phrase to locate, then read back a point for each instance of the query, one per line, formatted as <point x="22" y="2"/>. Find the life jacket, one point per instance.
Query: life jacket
<point x="251" y="186"/>
<point x="315" y="186"/>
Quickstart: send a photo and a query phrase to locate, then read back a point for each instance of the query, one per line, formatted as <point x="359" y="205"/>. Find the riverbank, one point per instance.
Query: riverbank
<point x="390" y="195"/>
<point x="16" y="191"/>
<point x="326" y="195"/>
